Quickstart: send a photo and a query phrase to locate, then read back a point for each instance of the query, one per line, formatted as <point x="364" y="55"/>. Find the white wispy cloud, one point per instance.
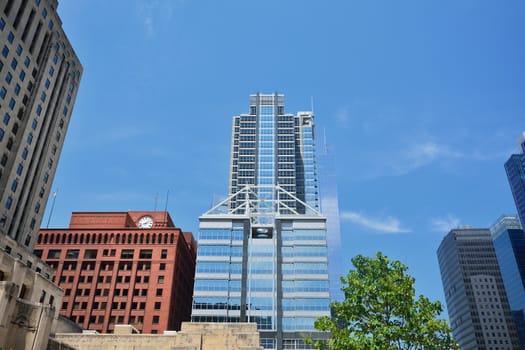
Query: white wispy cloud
<point x="445" y="224"/>
<point x="153" y="11"/>
<point x="421" y="155"/>
<point x="387" y="224"/>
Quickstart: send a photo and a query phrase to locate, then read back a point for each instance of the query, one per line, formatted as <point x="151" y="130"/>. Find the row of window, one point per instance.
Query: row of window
<point x="107" y="279"/>
<point x="92" y="254"/>
<point x="104" y="238"/>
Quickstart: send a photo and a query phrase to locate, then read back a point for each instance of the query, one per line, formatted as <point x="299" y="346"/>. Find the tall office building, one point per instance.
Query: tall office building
<point x="509" y="243"/>
<point x="39" y="78"/>
<point x="477" y="304"/>
<point x="515" y="168"/>
<point x="262" y="253"/>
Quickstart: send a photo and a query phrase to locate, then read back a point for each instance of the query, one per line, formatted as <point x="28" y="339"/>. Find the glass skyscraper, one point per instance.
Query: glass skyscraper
<point x="262" y="253"/>
<point x="515" y="168"/>
<point x="509" y="243"/>
<point x="477" y="303"/>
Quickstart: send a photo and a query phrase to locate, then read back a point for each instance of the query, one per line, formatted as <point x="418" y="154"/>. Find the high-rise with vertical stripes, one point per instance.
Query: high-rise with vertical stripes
<point x="262" y="253"/>
<point x="39" y="78"/>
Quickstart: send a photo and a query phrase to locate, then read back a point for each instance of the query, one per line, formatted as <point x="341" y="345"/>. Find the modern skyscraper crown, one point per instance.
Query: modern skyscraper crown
<point x="271" y="148"/>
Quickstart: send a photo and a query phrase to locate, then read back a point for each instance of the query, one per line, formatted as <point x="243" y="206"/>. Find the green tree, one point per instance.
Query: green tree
<point x="380" y="311"/>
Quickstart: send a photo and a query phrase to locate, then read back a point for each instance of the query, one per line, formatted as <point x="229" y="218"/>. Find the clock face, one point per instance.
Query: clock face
<point x="145" y="222"/>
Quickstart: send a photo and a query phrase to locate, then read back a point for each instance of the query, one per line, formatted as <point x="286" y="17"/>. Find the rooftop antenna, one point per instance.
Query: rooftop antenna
<point x="52" y="207"/>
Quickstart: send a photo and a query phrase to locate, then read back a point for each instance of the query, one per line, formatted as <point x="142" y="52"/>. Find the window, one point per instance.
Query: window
<point x="23" y="76"/>
<point x="2" y="24"/>
<point x="8" y="78"/>
<point x="34" y="124"/>
<point x="39" y="110"/>
<point x="14" y="185"/>
<point x="164" y="254"/>
<point x="19" y="169"/>
<point x="145" y="254"/>
<point x="8" y="202"/>
<point x="72" y="253"/>
<point x="160" y="279"/>
<point x="10" y="37"/>
<point x="53" y="254"/>
<point x="29" y="138"/>
<point x="5" y="51"/>
<point x="27" y="60"/>
<point x="50" y="25"/>
<point x="14" y="63"/>
<point x="127" y="254"/>
<point x="12" y="104"/>
<point x="159" y="292"/>
<point x="17" y="89"/>
<point x="155" y="319"/>
<point x="19" y="50"/>
<point x="44" y="13"/>
<point x="162" y="266"/>
<point x="3" y="92"/>
<point x="55" y="59"/>
<point x="47" y="83"/>
<point x="43" y="96"/>
<point x="7" y="117"/>
<point x="157" y="305"/>
<point x="51" y="71"/>
<point x="90" y="254"/>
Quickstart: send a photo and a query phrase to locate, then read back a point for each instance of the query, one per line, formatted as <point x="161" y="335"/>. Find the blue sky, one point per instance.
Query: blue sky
<point x="422" y="101"/>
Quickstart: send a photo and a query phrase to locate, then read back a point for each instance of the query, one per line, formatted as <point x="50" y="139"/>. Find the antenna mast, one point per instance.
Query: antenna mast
<point x="52" y="207"/>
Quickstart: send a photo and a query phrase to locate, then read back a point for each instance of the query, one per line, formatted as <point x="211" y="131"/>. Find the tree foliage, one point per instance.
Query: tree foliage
<point x="380" y="311"/>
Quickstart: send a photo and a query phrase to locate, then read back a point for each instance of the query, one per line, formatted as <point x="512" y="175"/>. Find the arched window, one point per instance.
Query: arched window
<point x="88" y="237"/>
<point x="118" y="238"/>
<point x="75" y="239"/>
<point x="166" y="238"/>
<point x="141" y="238"/>
<point x="105" y="238"/>
<point x="147" y="238"/>
<point x="52" y="238"/>
<point x="69" y="238"/>
<point x="99" y="238"/>
<point x="45" y="239"/>
<point x="153" y="240"/>
<point x="112" y="238"/>
<point x="172" y="238"/>
<point x="39" y="239"/>
<point x="81" y="238"/>
<point x="63" y="238"/>
<point x="136" y="238"/>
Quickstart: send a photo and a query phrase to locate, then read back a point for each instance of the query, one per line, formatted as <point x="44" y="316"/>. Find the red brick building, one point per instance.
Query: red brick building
<point x="122" y="268"/>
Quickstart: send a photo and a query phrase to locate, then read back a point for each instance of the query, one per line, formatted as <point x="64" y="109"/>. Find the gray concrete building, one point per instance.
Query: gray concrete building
<point x="477" y="304"/>
<point x="39" y="78"/>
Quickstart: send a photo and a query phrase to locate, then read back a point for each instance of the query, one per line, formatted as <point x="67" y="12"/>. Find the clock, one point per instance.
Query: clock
<point x="145" y="222"/>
